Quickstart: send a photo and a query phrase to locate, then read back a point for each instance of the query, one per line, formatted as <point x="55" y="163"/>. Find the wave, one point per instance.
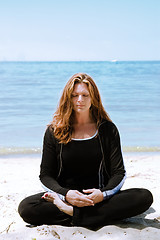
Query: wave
<point x="37" y="150"/>
<point x="141" y="149"/>
<point x="19" y="150"/>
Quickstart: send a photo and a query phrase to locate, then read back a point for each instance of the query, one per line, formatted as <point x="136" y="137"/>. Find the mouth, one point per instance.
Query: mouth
<point x="80" y="105"/>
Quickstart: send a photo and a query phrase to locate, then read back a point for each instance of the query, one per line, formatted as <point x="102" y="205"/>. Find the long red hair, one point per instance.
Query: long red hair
<point x="63" y="117"/>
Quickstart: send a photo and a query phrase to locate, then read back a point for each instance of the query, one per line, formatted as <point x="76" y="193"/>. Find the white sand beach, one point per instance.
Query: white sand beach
<point x="19" y="178"/>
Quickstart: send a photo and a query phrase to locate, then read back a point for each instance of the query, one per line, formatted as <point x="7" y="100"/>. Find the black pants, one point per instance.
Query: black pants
<point x="124" y="204"/>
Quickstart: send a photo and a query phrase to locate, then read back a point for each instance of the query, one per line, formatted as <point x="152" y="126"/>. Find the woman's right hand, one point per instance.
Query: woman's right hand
<point x="78" y="199"/>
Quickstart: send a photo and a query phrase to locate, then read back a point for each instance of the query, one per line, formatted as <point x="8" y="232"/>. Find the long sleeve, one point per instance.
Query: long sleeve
<point x="114" y="163"/>
<point x="50" y="166"/>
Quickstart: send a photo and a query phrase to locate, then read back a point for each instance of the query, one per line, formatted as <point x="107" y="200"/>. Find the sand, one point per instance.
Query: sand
<point x="19" y="178"/>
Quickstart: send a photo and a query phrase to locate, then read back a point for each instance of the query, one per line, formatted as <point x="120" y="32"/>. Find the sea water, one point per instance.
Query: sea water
<point x="29" y="94"/>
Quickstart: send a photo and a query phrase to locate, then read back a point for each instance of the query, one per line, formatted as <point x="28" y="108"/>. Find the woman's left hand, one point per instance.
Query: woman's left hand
<point x="94" y="194"/>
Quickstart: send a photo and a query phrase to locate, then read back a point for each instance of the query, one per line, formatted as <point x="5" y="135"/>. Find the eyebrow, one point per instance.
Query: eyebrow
<point x="85" y="91"/>
<point x="82" y="93"/>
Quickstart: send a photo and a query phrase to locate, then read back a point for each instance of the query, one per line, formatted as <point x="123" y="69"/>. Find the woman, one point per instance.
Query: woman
<point x="82" y="168"/>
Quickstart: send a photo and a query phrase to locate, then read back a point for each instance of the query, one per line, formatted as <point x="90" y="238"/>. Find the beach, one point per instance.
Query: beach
<point x="20" y="178"/>
<point x="29" y="96"/>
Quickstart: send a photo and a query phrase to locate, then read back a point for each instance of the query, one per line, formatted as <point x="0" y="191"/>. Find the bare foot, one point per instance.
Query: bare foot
<point x="63" y="206"/>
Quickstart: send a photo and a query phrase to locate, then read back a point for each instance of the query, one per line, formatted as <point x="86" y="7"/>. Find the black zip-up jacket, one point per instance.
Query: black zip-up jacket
<point x="111" y="169"/>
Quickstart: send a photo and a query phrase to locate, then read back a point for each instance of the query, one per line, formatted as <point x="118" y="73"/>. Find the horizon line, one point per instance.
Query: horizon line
<point x="112" y="61"/>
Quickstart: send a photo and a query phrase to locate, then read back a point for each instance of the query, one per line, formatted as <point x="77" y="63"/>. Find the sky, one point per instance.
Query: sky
<point x="83" y="30"/>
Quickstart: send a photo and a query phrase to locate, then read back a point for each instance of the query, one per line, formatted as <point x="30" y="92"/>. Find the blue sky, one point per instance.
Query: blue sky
<point x="55" y="30"/>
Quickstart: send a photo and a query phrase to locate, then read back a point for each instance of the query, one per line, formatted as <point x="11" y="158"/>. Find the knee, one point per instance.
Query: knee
<point x="148" y="197"/>
<point x="24" y="211"/>
<point x="22" y="208"/>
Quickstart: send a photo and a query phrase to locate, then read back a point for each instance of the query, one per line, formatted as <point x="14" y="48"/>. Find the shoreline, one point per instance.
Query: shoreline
<point x="126" y="155"/>
<point x="18" y="151"/>
<point x="19" y="178"/>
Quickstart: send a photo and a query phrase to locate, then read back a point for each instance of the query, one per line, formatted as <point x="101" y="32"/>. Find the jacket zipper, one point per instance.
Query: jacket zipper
<point x="60" y="157"/>
<point x="101" y="177"/>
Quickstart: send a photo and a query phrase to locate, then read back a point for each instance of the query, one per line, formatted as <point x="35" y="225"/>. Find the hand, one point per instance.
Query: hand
<point x="78" y="199"/>
<point x="94" y="194"/>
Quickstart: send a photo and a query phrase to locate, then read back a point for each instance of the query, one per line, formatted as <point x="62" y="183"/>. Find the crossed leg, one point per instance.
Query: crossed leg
<point x="127" y="203"/>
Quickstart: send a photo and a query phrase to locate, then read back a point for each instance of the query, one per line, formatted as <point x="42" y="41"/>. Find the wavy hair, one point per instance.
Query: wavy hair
<point x="62" y="124"/>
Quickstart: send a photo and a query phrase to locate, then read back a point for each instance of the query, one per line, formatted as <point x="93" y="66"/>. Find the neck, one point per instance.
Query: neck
<point x="82" y="118"/>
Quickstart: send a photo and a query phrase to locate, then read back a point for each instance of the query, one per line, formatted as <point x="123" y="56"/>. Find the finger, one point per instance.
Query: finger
<point x="86" y="200"/>
<point x="91" y="196"/>
<point x="84" y="204"/>
<point x="88" y="190"/>
<point x="79" y="193"/>
<point x="81" y="196"/>
<point x="84" y="196"/>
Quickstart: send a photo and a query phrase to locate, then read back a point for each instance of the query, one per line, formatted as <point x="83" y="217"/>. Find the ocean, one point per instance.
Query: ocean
<point x="29" y="94"/>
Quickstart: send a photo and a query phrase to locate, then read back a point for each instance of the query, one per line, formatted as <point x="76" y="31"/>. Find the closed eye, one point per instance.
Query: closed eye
<point x="85" y="95"/>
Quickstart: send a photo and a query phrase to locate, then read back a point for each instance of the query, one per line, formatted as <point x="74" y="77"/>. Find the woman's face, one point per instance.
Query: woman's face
<point x="81" y="98"/>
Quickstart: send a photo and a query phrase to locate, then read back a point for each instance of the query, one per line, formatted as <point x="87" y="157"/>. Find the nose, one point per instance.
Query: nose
<point x="80" y="98"/>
